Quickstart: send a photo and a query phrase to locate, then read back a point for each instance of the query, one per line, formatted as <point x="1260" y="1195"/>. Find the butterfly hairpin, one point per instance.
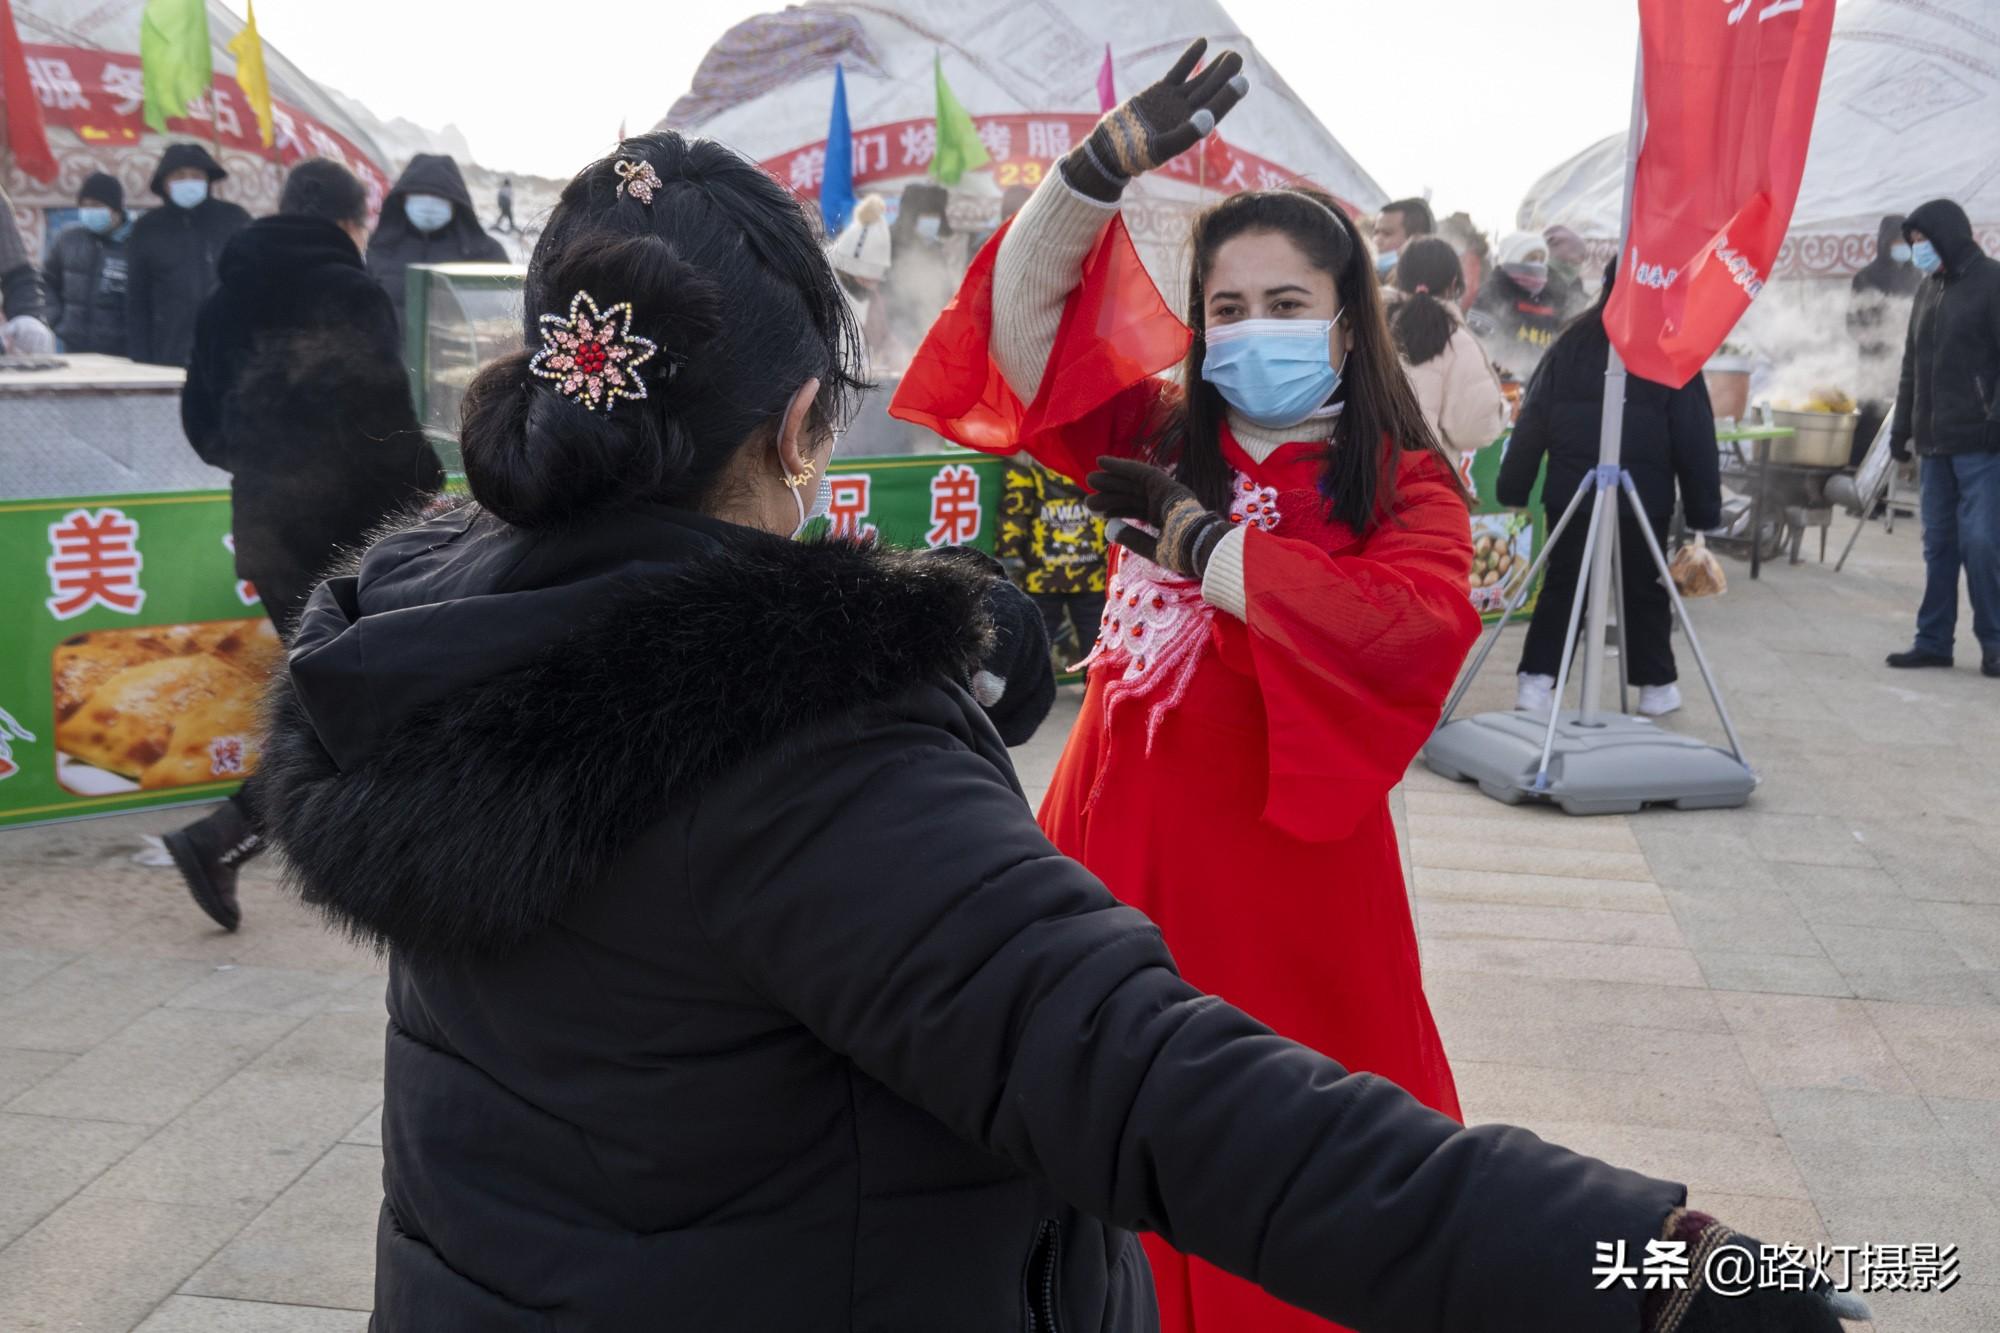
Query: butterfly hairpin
<point x="638" y="177"/>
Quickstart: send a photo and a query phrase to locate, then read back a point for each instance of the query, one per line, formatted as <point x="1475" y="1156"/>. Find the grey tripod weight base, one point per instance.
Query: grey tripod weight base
<point x="1590" y="762"/>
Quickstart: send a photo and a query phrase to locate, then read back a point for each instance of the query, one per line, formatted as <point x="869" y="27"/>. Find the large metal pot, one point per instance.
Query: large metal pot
<point x="1823" y="439"/>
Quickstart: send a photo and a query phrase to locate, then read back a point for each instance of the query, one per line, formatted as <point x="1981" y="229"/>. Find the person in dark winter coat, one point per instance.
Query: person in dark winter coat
<point x="172" y="254"/>
<point x="732" y="985"/>
<point x="428" y="218"/>
<point x="1948" y="405"/>
<point x="1878" y="306"/>
<point x="297" y="390"/>
<point x="87" y="271"/>
<point x="23" y="302"/>
<point x="1669" y="439"/>
<point x="1516" y="316"/>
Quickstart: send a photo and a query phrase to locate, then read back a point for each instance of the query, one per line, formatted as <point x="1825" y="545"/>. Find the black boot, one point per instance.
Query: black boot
<point x="209" y="852"/>
<point x="1991" y="666"/>
<point x="1917" y="657"/>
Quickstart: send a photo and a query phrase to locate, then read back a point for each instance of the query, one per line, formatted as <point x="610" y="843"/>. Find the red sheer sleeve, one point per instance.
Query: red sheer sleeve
<point x="1355" y="652"/>
<point x="1099" y="393"/>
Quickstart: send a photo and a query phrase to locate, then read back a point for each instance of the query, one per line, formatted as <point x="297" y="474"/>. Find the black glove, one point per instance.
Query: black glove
<point x="1127" y="491"/>
<point x="1763" y="1308"/>
<point x="1156" y="126"/>
<point x="1016" y="680"/>
<point x="1899" y="449"/>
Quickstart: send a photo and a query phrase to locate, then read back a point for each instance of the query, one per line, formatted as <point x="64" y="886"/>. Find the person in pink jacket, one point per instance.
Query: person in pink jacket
<point x="1456" y="387"/>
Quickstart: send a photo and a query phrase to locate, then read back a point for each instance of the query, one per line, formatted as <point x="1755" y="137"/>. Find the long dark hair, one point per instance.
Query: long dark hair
<point x="724" y="271"/>
<point x="1429" y="275"/>
<point x="1380" y="419"/>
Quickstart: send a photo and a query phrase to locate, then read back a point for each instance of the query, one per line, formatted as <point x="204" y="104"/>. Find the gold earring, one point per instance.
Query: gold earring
<point x="801" y="477"/>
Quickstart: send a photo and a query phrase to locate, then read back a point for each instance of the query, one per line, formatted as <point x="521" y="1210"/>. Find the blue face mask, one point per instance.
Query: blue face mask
<point x="99" y="219"/>
<point x="187" y="193"/>
<point x="1925" y="256"/>
<point x="1274" y="371"/>
<point x="427" y="212"/>
<point x="1385" y="262"/>
<point x="1900" y="253"/>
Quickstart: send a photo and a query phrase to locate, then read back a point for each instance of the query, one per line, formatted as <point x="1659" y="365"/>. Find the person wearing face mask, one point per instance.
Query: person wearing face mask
<point x="1948" y="409"/>
<point x="731" y="983"/>
<point x="87" y="271"/>
<point x="25" y="330"/>
<point x="296" y="388"/>
<point x="1396" y="226"/>
<point x="428" y="218"/>
<point x="172" y="254"/>
<point x="1878" y="310"/>
<point x="1515" y="315"/>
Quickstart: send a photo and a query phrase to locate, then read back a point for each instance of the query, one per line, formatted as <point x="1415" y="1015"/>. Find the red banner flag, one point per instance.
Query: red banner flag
<point x="21" y="129"/>
<point x="1730" y="88"/>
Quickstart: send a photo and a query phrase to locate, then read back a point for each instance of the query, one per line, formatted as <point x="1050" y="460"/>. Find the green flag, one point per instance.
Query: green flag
<point x="958" y="146"/>
<point x="174" y="52"/>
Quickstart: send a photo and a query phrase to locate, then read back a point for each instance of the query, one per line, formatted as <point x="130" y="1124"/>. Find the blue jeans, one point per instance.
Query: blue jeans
<point x="1961" y="513"/>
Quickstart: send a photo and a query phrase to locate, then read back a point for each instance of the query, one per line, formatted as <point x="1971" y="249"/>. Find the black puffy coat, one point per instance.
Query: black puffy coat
<point x="396" y="244"/>
<point x="171" y="260"/>
<point x="733" y="986"/>
<point x="86" y="281"/>
<point x="297" y="389"/>
<point x="1948" y="398"/>
<point x="1668" y="434"/>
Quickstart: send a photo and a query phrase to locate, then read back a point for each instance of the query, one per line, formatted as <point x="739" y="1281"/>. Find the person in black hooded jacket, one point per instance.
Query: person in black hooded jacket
<point x="296" y="388"/>
<point x="732" y="985"/>
<point x="1948" y="403"/>
<point x="428" y="218"/>
<point x="172" y="255"/>
<point x="1668" y="439"/>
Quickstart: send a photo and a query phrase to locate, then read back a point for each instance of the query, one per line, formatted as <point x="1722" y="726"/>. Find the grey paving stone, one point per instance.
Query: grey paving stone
<point x="21" y="1070"/>
<point x="1562" y="958"/>
<point x="314" y="1245"/>
<point x="267" y="990"/>
<point x="1972" y="929"/>
<point x="19" y="967"/>
<point x="1854" y="1116"/>
<point x="1793" y="1041"/>
<point x="346" y="1045"/>
<point x="1566" y="999"/>
<point x="1525" y="1095"/>
<point x="1918" y="965"/>
<point x="152" y="1070"/>
<point x="102" y="1265"/>
<point x="243" y="1143"/>
<point x="82" y="1003"/>
<point x="44" y="1161"/>
<point x="1949" y="1052"/>
<point x="1847" y="896"/>
<point x="1486" y="886"/>
<point x="369" y="1131"/>
<point x="204" y="1314"/>
<point x="1472" y="920"/>
<point x="1737" y="920"/>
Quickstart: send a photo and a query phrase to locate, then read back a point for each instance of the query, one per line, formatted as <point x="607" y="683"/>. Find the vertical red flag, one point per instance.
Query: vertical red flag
<point x="1730" y="89"/>
<point x="20" y="114"/>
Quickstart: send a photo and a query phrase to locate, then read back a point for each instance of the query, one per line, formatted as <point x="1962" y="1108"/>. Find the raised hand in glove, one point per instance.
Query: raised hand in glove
<point x="1156" y="126"/>
<point x="1731" y="1294"/>
<point x="1015" y="683"/>
<point x="1127" y="491"/>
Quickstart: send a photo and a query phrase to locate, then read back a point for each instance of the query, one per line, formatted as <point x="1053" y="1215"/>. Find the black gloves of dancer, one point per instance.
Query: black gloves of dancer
<point x="1156" y="126"/>
<point x="1126" y="491"/>
<point x="1016" y="681"/>
<point x="1750" y="1301"/>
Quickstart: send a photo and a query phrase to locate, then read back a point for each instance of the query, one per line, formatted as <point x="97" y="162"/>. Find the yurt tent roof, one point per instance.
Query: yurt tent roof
<point x="1909" y="110"/>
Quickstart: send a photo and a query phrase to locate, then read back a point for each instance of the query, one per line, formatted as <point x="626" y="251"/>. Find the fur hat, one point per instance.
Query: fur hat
<point x="862" y="249"/>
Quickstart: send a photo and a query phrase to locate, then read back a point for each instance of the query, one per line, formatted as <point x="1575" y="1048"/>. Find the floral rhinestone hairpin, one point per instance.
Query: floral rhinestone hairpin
<point x="638" y="177"/>
<point x="593" y="356"/>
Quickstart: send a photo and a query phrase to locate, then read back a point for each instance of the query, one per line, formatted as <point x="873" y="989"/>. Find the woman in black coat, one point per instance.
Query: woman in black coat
<point x="1669" y="438"/>
<point x="732" y="984"/>
<point x="297" y="390"/>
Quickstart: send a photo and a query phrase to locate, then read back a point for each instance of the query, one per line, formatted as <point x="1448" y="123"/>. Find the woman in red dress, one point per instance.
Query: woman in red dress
<point x="1287" y="613"/>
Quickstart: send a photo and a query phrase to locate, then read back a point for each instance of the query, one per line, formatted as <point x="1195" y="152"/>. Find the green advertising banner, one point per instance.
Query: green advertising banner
<point x="1504" y="541"/>
<point x="130" y="673"/>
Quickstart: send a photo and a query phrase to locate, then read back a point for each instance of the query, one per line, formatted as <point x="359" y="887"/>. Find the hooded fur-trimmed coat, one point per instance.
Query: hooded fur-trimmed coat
<point x="733" y="986"/>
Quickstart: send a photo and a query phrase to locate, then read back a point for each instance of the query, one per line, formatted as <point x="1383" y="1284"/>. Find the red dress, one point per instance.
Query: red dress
<point x="1230" y="777"/>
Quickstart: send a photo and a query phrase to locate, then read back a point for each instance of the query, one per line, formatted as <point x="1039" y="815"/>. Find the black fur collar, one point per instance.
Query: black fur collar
<point x="481" y="816"/>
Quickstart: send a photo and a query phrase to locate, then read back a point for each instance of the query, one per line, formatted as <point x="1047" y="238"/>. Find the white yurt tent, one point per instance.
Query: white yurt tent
<point x="1027" y="73"/>
<point x="1909" y="110"/>
<point x="83" y="63"/>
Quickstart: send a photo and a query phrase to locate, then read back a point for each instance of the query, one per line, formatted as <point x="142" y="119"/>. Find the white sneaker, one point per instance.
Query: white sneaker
<point x="1535" y="694"/>
<point x="1659" y="700"/>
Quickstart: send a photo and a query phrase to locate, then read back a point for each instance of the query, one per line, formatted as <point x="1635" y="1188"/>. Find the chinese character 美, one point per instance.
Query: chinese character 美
<point x="849" y="505"/>
<point x="1611" y="1266"/>
<point x="1048" y="139"/>
<point x="55" y="87"/>
<point x="1666" y="1265"/>
<point x="94" y="561"/>
<point x="954" y="506"/>
<point x="919" y="144"/>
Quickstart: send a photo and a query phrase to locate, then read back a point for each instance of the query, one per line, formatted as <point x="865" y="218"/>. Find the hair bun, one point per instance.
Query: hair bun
<point x="673" y="303"/>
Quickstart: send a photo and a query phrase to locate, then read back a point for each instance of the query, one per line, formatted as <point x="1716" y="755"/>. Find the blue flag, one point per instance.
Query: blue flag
<point x="836" y="186"/>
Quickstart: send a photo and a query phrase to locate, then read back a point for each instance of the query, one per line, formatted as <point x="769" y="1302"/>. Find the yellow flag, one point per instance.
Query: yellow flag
<point x="248" y="48"/>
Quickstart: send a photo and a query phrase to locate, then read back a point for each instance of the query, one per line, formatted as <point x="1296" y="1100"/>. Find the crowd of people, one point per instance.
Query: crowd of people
<point x="117" y="284"/>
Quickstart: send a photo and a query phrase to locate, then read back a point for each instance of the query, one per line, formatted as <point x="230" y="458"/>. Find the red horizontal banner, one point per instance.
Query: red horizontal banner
<point x="100" y="96"/>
